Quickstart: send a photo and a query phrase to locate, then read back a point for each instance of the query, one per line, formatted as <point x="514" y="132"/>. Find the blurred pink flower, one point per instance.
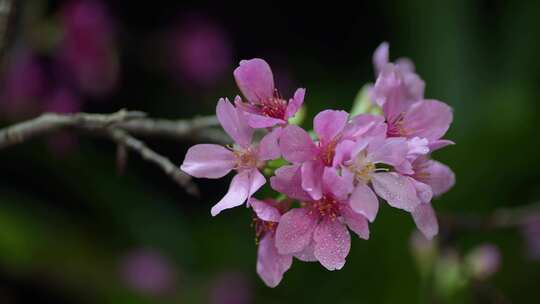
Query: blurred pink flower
<point x="531" y="233"/>
<point x="200" y="51"/>
<point x="484" y="261"/>
<point x="63" y="100"/>
<point x="88" y="48"/>
<point x="148" y="271"/>
<point x="230" y="288"/>
<point x="23" y="84"/>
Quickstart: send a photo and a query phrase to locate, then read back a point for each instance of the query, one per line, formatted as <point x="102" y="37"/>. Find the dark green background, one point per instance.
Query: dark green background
<point x="66" y="221"/>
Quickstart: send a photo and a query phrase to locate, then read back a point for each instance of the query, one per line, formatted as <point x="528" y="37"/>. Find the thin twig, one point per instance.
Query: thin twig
<point x="123" y="138"/>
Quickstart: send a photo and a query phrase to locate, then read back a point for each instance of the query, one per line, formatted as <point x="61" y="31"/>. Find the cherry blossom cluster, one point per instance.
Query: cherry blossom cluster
<point x="330" y="180"/>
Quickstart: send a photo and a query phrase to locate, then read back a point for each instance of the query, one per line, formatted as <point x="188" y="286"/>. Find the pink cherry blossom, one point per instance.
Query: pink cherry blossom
<point x="297" y="147"/>
<point x="360" y="163"/>
<point x="271" y="265"/>
<point x="399" y="91"/>
<point x="414" y="86"/>
<point x="406" y="115"/>
<point x="214" y="161"/>
<point x="317" y="230"/>
<point x="265" y="107"/>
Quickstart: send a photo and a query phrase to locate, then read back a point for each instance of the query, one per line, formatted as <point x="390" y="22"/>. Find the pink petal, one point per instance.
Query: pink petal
<point x="361" y="144"/>
<point x="264" y="210"/>
<point x="337" y="185"/>
<point x="414" y="85"/>
<point x="208" y="161"/>
<point x="439" y="144"/>
<point x="295" y="230"/>
<point x="438" y="176"/>
<point x="332" y="243"/>
<point x="390" y="93"/>
<point x="380" y="57"/>
<point x="260" y="121"/>
<point x="308" y="254"/>
<point x="356" y="222"/>
<point x="392" y="151"/>
<point x="423" y="191"/>
<point x="270" y="264"/>
<point x="396" y="189"/>
<point x="429" y="118"/>
<point x="256" y="180"/>
<point x="329" y="123"/>
<point x="243" y="185"/>
<point x="237" y="194"/>
<point x="288" y="180"/>
<point x="418" y="146"/>
<point x="269" y="145"/>
<point x="426" y="220"/>
<point x="255" y="80"/>
<point x="365" y="125"/>
<point x="234" y="123"/>
<point x="364" y="201"/>
<point x="406" y="65"/>
<point x="296" y="145"/>
<point x="295" y="103"/>
<point x="312" y="172"/>
<point x="342" y="153"/>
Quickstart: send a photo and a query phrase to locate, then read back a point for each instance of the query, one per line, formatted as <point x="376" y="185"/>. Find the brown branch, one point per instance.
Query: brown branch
<point x="120" y="127"/>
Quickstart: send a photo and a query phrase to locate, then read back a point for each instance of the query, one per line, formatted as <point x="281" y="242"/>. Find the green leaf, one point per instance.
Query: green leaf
<point x="363" y="104"/>
<point x="299" y="117"/>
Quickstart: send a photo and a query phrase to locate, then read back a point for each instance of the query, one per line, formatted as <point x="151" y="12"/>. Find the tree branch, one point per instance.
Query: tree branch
<point x="123" y="138"/>
<point x="119" y="127"/>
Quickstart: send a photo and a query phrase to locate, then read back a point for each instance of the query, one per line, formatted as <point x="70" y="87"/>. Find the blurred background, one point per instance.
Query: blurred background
<point x="73" y="230"/>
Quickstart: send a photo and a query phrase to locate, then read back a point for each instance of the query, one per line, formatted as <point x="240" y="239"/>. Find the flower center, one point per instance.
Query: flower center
<point x="262" y="227"/>
<point x="327" y="152"/>
<point x="327" y="206"/>
<point x="396" y="128"/>
<point x="246" y="159"/>
<point x="274" y="107"/>
<point x="362" y="168"/>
